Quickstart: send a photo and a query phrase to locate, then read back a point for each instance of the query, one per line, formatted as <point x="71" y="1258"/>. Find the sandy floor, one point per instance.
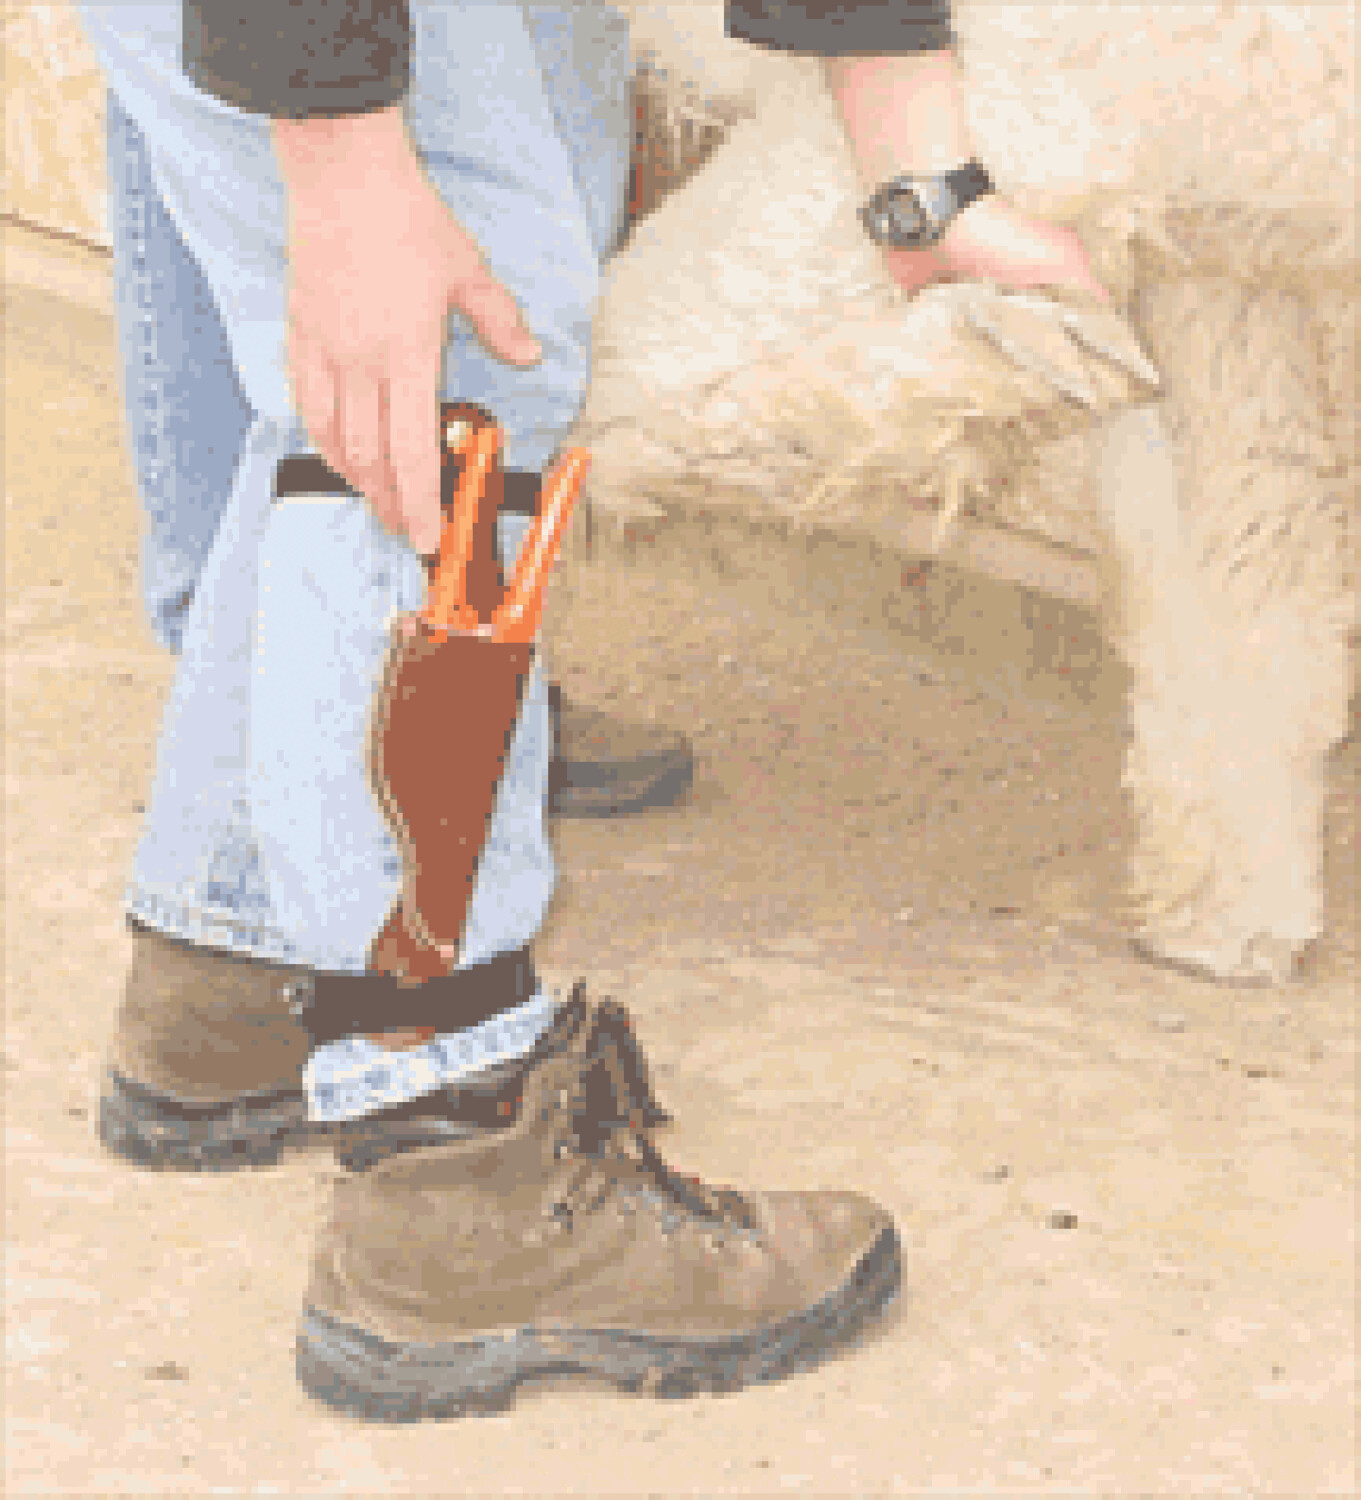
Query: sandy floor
<point x="878" y="947"/>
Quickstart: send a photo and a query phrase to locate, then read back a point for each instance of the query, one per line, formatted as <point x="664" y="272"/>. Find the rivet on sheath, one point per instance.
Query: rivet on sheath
<point x="297" y="995"/>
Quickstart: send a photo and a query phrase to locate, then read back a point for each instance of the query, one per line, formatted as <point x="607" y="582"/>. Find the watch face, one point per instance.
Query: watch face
<point x="907" y="220"/>
<point x="912" y="213"/>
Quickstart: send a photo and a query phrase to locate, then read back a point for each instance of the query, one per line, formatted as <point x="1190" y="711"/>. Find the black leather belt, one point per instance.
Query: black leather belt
<point x="332" y="1006"/>
<point x="306" y="474"/>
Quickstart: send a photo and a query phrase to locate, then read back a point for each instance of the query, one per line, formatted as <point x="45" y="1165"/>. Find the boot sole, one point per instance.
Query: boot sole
<point x="613" y="799"/>
<point x="150" y="1130"/>
<point x="365" y="1376"/>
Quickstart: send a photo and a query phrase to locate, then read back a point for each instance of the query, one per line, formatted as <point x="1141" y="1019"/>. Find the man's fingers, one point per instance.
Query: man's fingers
<point x="496" y="319"/>
<point x="314" y="396"/>
<point x="993" y="240"/>
<point x="361" y="429"/>
<point x="413" y="444"/>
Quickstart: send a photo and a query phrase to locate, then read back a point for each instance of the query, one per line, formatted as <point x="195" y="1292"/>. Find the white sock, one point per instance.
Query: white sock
<point x="354" y="1077"/>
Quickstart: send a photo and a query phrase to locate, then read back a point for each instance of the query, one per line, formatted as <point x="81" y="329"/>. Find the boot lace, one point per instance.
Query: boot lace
<point x="606" y="1119"/>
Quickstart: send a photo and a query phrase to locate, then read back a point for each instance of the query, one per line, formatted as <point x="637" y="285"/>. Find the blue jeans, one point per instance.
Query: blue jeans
<point x="262" y="835"/>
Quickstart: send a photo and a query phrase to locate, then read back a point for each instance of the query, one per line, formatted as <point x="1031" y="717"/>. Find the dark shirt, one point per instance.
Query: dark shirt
<point x="298" y="58"/>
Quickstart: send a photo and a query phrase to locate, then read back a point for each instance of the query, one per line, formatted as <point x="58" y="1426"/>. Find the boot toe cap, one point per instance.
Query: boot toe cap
<point x="823" y="1237"/>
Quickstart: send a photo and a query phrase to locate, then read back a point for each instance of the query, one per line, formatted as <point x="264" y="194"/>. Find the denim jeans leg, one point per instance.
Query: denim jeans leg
<point x="187" y="416"/>
<point x="514" y="162"/>
<point x="187" y="421"/>
<point x="217" y="180"/>
<point x="583" y="54"/>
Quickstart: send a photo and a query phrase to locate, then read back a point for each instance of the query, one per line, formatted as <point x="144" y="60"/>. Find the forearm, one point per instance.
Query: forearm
<point x="308" y="149"/>
<point x="903" y="113"/>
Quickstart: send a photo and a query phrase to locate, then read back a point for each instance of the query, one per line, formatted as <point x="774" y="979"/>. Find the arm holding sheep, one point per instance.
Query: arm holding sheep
<point x="905" y="113"/>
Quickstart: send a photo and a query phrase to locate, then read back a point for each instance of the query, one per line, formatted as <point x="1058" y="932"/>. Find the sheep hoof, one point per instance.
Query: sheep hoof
<point x="1261" y="959"/>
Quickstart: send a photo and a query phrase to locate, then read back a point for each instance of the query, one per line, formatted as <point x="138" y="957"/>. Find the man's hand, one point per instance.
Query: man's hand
<point x="376" y="263"/>
<point x="992" y="241"/>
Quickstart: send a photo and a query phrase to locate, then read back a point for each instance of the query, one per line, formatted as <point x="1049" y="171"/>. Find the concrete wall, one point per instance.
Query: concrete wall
<point x="54" y="122"/>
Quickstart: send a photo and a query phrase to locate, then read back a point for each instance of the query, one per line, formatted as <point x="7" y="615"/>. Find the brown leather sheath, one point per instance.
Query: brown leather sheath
<point x="441" y="730"/>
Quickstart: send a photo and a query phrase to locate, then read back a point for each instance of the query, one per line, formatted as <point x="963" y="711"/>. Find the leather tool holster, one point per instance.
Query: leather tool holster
<point x="441" y="731"/>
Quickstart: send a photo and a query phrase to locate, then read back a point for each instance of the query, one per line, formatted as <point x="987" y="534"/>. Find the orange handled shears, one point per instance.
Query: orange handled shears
<point x="516" y="619"/>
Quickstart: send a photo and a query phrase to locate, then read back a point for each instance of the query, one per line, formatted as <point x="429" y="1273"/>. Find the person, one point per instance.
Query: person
<point x="329" y="216"/>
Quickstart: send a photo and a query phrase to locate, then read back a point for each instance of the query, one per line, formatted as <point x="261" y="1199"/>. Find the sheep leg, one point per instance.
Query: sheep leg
<point x="1229" y="537"/>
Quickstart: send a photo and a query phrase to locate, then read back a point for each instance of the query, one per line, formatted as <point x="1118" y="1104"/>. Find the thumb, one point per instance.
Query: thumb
<point x="496" y="319"/>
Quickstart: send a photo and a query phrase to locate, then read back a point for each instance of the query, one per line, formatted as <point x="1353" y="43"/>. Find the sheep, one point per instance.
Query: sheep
<point x="1194" y="437"/>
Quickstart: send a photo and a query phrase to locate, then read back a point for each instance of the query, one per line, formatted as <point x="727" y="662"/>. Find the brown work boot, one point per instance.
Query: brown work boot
<point x="467" y="1255"/>
<point x="605" y="767"/>
<point x="206" y="1071"/>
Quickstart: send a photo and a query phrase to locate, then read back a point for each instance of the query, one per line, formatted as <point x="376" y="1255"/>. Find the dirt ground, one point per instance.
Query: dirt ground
<point x="879" y="946"/>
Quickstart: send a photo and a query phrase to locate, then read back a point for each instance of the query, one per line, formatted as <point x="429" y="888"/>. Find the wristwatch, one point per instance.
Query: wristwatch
<point x="912" y="213"/>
